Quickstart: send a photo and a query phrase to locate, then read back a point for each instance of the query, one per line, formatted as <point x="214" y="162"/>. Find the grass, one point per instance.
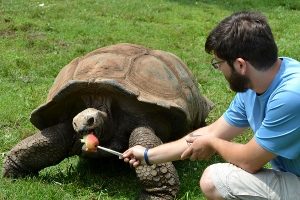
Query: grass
<point x="37" y="38"/>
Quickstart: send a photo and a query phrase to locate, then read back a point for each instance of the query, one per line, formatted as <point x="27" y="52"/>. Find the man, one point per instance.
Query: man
<point x="267" y="100"/>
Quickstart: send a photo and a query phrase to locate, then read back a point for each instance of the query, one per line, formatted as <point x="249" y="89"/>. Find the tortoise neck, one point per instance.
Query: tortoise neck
<point x="99" y="102"/>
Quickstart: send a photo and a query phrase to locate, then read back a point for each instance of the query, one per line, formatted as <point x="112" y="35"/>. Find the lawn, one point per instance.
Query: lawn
<point x="37" y="38"/>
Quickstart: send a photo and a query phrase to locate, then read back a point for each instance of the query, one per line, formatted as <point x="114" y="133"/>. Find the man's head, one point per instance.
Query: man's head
<point x="245" y="35"/>
<point x="238" y="82"/>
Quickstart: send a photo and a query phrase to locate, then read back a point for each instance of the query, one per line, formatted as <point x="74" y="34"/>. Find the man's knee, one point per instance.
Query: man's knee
<point x="207" y="185"/>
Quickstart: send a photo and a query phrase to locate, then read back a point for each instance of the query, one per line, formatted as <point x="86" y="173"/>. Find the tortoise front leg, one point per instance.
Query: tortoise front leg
<point x="159" y="181"/>
<point x="43" y="149"/>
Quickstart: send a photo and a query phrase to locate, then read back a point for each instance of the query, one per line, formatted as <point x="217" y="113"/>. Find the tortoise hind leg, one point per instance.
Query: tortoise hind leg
<point x="159" y="181"/>
<point x="43" y="149"/>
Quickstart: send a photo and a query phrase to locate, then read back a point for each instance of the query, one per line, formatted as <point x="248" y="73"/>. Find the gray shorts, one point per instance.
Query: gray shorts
<point x="234" y="183"/>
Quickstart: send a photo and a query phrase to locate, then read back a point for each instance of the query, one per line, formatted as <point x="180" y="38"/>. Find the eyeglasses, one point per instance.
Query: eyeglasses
<point x="215" y="63"/>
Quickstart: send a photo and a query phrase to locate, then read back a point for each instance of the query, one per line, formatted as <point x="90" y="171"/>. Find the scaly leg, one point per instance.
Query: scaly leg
<point x="43" y="149"/>
<point x="159" y="181"/>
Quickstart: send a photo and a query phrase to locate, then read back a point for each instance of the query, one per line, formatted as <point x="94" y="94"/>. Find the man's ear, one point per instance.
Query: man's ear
<point x="240" y="66"/>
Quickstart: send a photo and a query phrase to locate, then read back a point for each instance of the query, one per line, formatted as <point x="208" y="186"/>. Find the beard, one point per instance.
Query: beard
<point x="237" y="82"/>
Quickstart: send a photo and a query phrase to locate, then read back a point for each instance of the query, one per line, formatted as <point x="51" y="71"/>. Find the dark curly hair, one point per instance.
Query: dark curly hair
<point x="244" y="35"/>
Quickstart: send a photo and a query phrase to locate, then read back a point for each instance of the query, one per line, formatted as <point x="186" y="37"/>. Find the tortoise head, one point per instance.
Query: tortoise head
<point x="89" y="121"/>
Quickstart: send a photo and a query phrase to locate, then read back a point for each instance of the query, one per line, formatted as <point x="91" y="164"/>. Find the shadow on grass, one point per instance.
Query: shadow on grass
<point x="111" y="177"/>
<point x="116" y="180"/>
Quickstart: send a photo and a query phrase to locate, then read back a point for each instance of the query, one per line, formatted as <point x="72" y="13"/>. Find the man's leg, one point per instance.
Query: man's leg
<point x="226" y="181"/>
<point x="207" y="185"/>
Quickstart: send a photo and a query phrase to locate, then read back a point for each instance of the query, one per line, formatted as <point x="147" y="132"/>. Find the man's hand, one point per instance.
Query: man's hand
<point x="134" y="156"/>
<point x="190" y="138"/>
<point x="199" y="147"/>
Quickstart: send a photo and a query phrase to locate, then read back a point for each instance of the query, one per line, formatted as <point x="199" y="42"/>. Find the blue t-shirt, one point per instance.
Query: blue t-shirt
<point x="274" y="116"/>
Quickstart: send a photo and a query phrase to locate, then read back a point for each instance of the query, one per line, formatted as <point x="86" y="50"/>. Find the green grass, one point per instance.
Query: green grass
<point x="37" y="41"/>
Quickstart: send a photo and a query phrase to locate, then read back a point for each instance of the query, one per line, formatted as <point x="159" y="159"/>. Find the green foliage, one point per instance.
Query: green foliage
<point x="37" y="38"/>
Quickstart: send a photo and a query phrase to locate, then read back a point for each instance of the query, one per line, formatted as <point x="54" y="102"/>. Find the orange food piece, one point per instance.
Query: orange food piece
<point x="91" y="142"/>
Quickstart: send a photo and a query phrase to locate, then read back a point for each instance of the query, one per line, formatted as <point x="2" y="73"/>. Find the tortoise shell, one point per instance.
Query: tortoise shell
<point x="149" y="76"/>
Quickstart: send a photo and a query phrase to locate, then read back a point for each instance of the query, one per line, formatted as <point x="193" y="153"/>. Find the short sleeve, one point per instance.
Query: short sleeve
<point x="280" y="129"/>
<point x="236" y="114"/>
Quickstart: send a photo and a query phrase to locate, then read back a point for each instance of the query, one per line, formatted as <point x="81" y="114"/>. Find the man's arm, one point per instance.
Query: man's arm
<point x="163" y="153"/>
<point x="172" y="151"/>
<point x="250" y="156"/>
<point x="220" y="129"/>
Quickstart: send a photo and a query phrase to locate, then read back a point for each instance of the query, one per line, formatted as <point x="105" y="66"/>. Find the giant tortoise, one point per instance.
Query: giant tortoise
<point x="126" y="95"/>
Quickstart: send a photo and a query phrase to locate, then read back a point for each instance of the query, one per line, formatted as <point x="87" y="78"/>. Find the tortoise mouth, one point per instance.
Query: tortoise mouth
<point x="85" y="133"/>
<point x="90" y="131"/>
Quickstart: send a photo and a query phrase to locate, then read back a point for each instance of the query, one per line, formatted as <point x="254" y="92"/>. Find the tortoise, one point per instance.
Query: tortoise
<point x="126" y="95"/>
